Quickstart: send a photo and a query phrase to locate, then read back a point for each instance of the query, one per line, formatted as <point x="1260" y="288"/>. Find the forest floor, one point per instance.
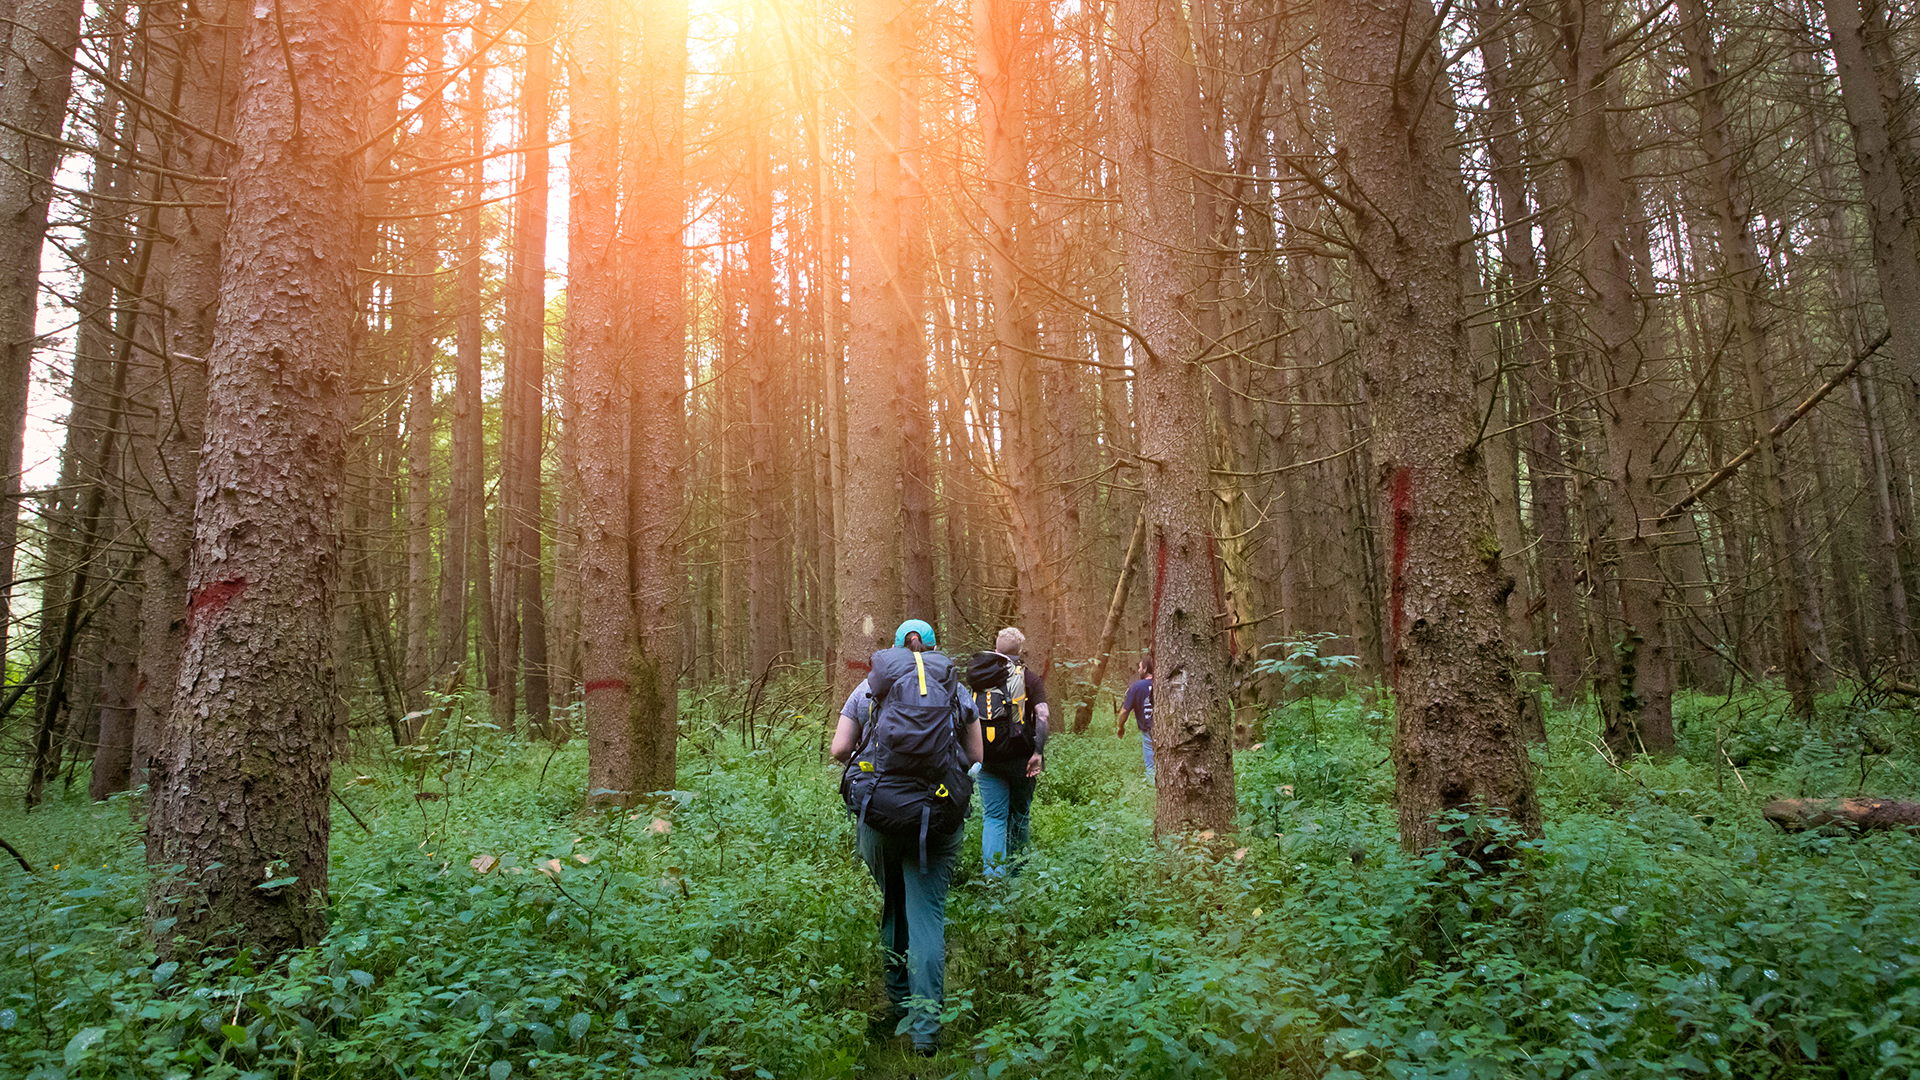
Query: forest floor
<point x="487" y="928"/>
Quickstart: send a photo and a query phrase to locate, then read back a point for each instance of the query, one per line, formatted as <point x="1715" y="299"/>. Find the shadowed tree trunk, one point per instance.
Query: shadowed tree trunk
<point x="36" y="70"/>
<point x="186" y="275"/>
<point x="1456" y="746"/>
<point x="1635" y="683"/>
<point x="1740" y="265"/>
<point x="238" y="831"/>
<point x="1192" y="692"/>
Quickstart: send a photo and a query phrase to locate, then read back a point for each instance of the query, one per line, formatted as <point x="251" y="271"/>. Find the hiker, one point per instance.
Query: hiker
<point x="1139" y="702"/>
<point x="1010" y="701"/>
<point x="907" y="746"/>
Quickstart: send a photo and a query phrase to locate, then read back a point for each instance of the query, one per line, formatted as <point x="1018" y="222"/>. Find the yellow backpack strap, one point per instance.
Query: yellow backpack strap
<point x="921" y="664"/>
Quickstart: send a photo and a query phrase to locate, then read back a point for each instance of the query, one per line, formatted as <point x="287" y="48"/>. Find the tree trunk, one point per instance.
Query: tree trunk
<point x="657" y="331"/>
<point x="1110" y="628"/>
<point x="1001" y="47"/>
<point x="616" y="755"/>
<point x="910" y="374"/>
<point x="1192" y="692"/>
<point x="1740" y="265"/>
<point x="238" y="831"/>
<point x="187" y="273"/>
<point x="36" y="71"/>
<point x="766" y="592"/>
<point x="1872" y="96"/>
<point x="520" y="519"/>
<point x="1637" y="703"/>
<point x="867" y="567"/>
<point x="1456" y="746"/>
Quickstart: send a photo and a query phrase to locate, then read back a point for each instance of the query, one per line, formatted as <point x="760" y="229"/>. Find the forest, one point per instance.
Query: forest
<point x="460" y="455"/>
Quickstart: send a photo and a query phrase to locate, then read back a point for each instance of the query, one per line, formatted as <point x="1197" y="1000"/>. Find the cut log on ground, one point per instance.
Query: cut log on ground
<point x="1794" y="815"/>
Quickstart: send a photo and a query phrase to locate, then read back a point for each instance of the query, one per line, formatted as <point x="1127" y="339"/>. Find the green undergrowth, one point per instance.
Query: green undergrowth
<point x="482" y="926"/>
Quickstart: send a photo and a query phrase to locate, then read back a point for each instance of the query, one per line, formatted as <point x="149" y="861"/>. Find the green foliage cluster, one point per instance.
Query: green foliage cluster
<point x="488" y="928"/>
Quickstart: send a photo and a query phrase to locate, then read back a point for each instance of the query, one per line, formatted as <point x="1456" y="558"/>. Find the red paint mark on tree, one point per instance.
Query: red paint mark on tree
<point x="1159" y="586"/>
<point x="605" y="684"/>
<point x="1400" y="500"/>
<point x="861" y="666"/>
<point x="211" y="597"/>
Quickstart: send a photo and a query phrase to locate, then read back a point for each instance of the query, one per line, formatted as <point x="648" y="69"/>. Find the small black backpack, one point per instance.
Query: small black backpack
<point x="998" y="684"/>
<point x="909" y="778"/>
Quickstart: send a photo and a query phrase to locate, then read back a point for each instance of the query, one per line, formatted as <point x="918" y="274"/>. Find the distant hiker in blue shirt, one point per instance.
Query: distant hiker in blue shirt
<point x="1139" y="702"/>
<point x="1010" y="701"/>
<point x="907" y="744"/>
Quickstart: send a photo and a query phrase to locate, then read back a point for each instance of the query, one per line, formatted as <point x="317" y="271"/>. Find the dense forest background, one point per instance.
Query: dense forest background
<point x="426" y="375"/>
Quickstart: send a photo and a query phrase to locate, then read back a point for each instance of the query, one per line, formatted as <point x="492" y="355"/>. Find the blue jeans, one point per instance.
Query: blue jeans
<point x="1146" y="747"/>
<point x="1004" y="800"/>
<point x="913" y="922"/>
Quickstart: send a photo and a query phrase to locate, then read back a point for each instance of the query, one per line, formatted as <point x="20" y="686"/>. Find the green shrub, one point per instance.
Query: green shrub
<point x="1659" y="927"/>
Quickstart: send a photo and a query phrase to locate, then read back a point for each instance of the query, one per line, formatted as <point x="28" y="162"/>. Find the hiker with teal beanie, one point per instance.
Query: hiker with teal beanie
<point x="907" y="747"/>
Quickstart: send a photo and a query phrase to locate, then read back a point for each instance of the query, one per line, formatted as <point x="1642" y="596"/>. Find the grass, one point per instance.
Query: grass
<point x="1660" y="927"/>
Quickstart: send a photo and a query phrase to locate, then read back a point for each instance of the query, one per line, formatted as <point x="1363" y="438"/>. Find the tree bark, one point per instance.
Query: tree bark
<point x="1740" y="264"/>
<point x="867" y="569"/>
<point x="766" y="592"/>
<point x="1192" y="691"/>
<point x="1795" y="815"/>
<point x="186" y="277"/>
<point x="238" y="831"/>
<point x="1001" y="47"/>
<point x="659" y="332"/>
<point x="36" y="72"/>
<point x="1636" y="686"/>
<point x="1873" y="99"/>
<point x="1110" y="628"/>
<point x="525" y="630"/>
<point x="1456" y="746"/>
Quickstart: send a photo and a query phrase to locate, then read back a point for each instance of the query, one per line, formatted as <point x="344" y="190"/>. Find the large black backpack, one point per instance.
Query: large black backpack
<point x="909" y="778"/>
<point x="998" y="685"/>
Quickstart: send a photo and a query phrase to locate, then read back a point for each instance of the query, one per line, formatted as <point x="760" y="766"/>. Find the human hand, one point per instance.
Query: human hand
<point x="1035" y="764"/>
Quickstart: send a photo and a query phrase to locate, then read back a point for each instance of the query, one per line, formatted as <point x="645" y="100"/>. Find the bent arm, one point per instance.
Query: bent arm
<point x="846" y="738"/>
<point x="971" y="742"/>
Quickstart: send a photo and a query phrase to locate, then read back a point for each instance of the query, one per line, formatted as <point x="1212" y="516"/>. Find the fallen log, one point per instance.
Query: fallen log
<point x="1795" y="815"/>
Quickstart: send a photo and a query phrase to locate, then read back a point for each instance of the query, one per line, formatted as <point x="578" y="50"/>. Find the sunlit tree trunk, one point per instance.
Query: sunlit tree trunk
<point x="522" y="628"/>
<point x="766" y="585"/>
<point x="616" y="753"/>
<point x="867" y="567"/>
<point x="1001" y="49"/>
<point x="657" y="320"/>
<point x="237" y="834"/>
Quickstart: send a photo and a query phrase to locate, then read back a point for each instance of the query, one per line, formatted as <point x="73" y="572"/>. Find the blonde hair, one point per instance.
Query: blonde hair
<point x="1009" y="640"/>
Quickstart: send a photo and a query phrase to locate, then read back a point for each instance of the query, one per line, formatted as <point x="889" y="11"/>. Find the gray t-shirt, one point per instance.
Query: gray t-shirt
<point x="858" y="707"/>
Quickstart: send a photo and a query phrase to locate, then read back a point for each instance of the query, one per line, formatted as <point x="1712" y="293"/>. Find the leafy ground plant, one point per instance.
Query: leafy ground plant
<point x="490" y="929"/>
